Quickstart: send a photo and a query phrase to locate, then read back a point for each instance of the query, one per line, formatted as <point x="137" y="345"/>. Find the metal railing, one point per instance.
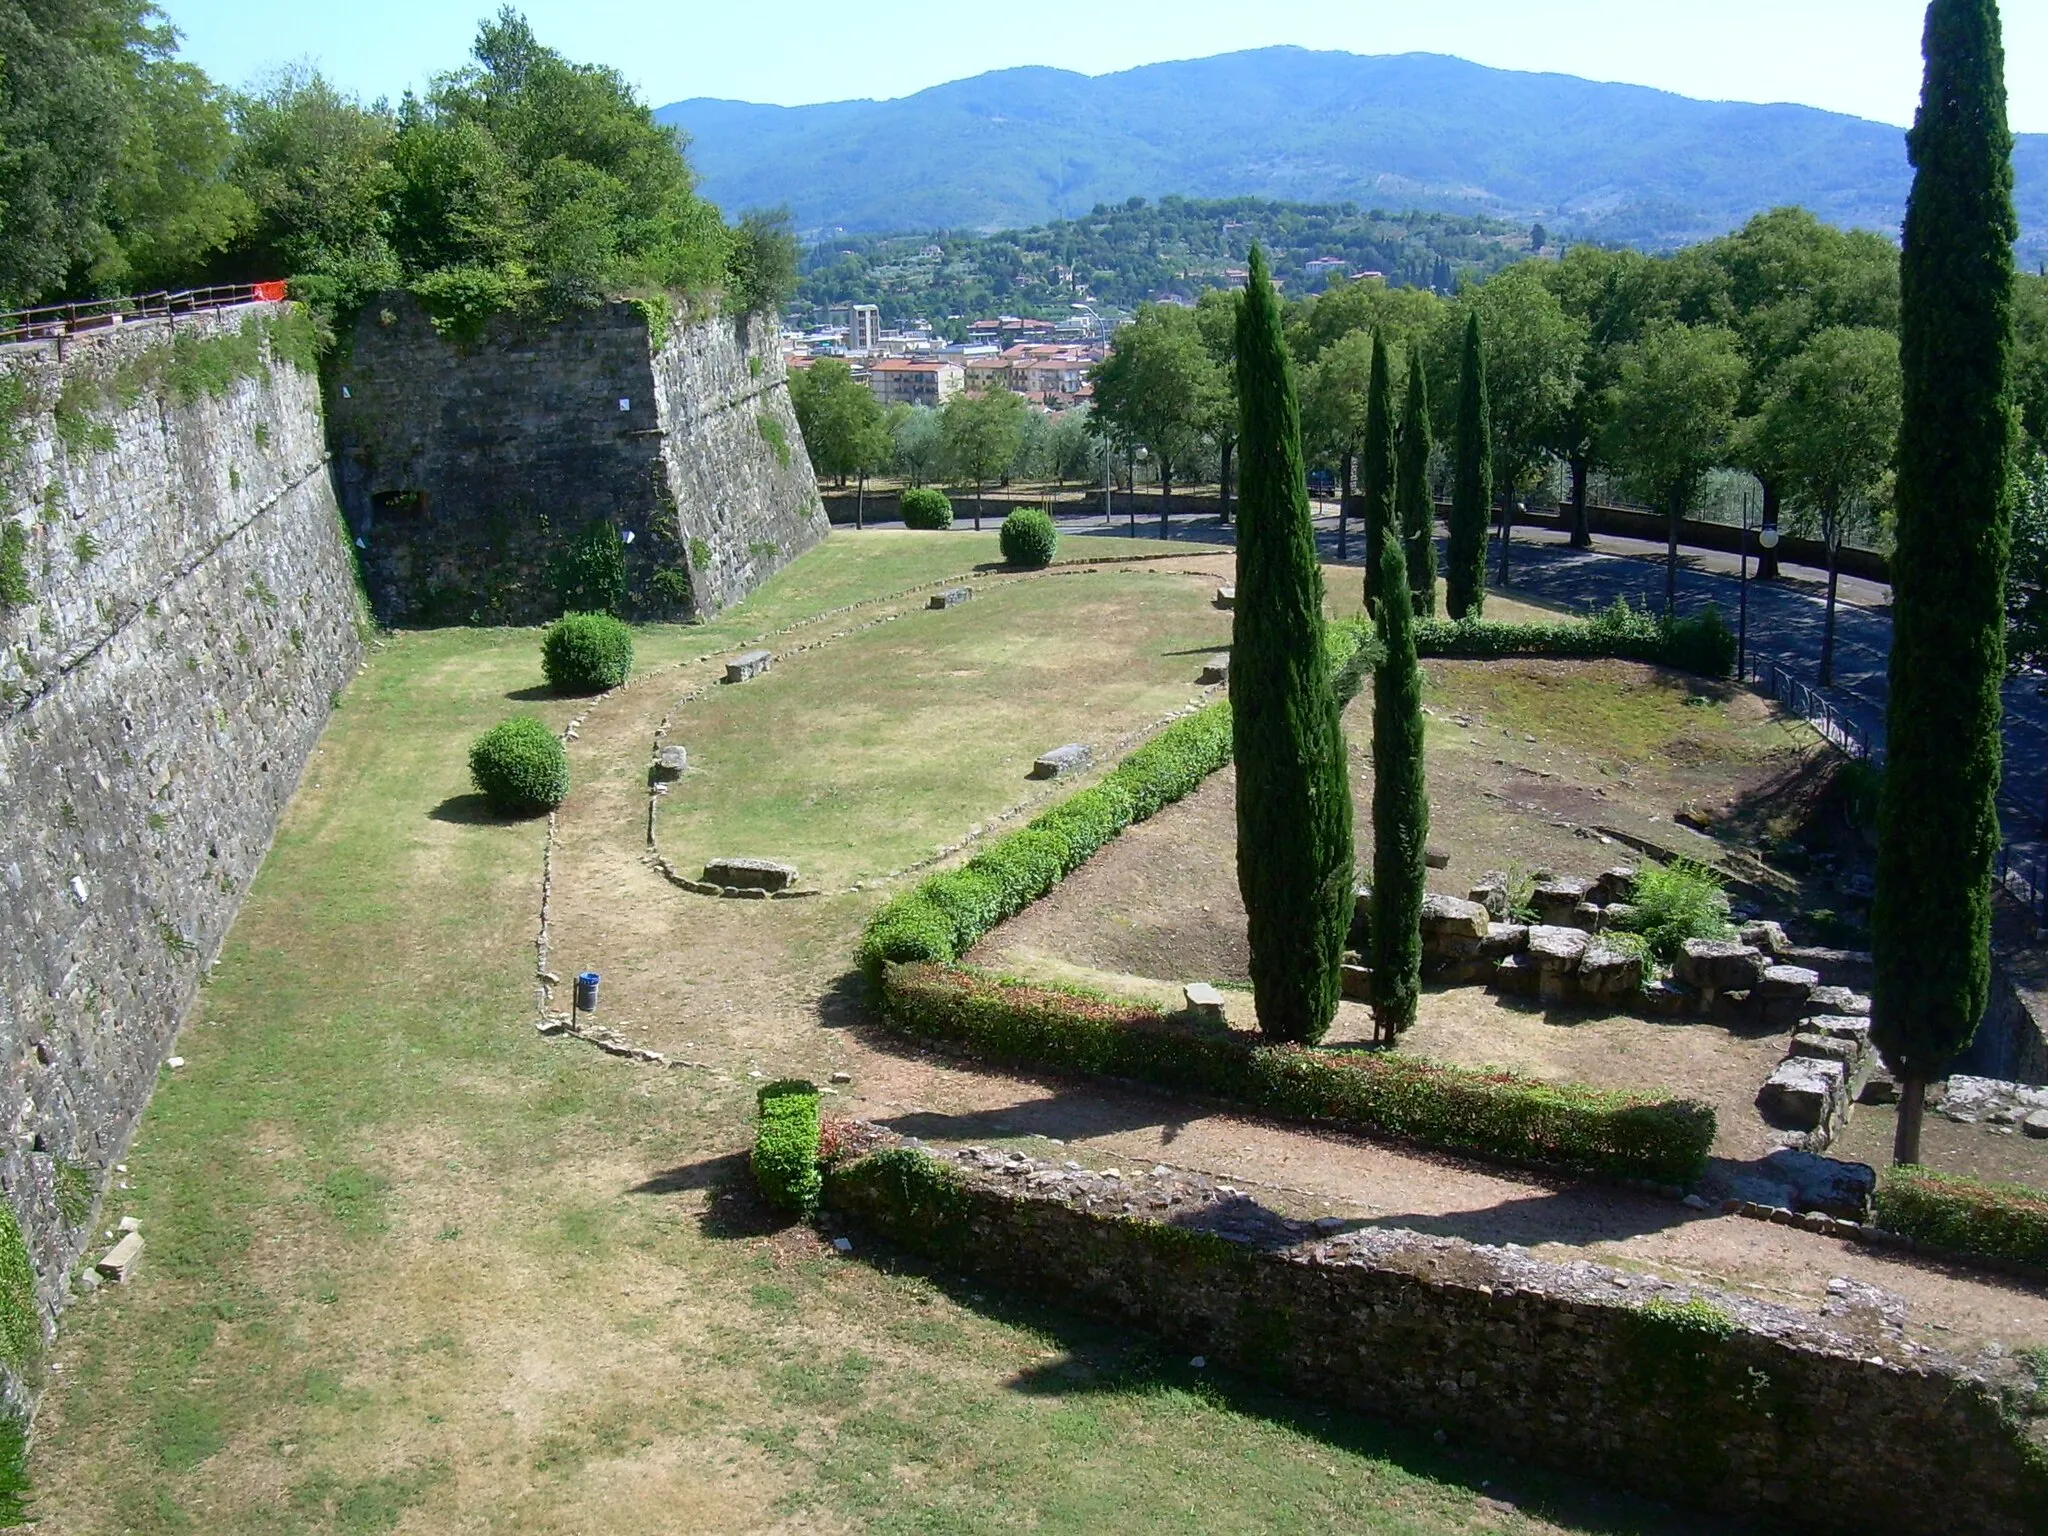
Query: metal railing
<point x="90" y="317"/>
<point x="1813" y="706"/>
<point x="2027" y="886"/>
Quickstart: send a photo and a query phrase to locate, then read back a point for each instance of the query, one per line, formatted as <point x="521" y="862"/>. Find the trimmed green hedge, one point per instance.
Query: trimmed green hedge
<point x="1029" y="538"/>
<point x="1964" y="1215"/>
<point x="1699" y="643"/>
<point x="941" y="917"/>
<point x="519" y="766"/>
<point x="586" y="653"/>
<point x="786" y="1145"/>
<point x="1489" y="1113"/>
<point x="926" y="508"/>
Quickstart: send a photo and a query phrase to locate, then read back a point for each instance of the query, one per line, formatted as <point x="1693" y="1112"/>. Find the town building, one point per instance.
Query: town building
<point x="914" y="380"/>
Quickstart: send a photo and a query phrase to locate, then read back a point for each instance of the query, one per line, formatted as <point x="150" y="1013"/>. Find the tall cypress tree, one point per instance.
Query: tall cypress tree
<point x="1412" y="501"/>
<point x="1400" y="807"/>
<point x="1376" y="466"/>
<point x="1472" y="485"/>
<point x="1938" y="824"/>
<point x="1293" y="792"/>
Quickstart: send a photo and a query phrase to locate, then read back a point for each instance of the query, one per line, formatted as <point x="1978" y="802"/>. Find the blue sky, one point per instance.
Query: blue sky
<point x="1859" y="56"/>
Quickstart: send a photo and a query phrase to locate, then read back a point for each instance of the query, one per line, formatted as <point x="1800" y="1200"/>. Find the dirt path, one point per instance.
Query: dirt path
<point x="735" y="991"/>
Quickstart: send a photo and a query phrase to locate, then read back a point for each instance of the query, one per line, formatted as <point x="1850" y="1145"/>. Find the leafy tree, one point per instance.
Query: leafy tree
<point x="1378" y="473"/>
<point x="1404" y="315"/>
<point x="1679" y="388"/>
<point x="2026" y="606"/>
<point x="1067" y="449"/>
<point x="843" y="426"/>
<point x="1532" y="364"/>
<point x="316" y="167"/>
<point x="1216" y="319"/>
<point x="1335" y="392"/>
<point x="1400" y="804"/>
<point x="171" y="205"/>
<point x="1831" y="423"/>
<point x="761" y="265"/>
<point x="1613" y="294"/>
<point x="1293" y="795"/>
<point x="1414" y="505"/>
<point x="1471" y="480"/>
<point x="981" y="433"/>
<point x="1158" y="388"/>
<point x="1938" y="818"/>
<point x="917" y="442"/>
<point x="2030" y="355"/>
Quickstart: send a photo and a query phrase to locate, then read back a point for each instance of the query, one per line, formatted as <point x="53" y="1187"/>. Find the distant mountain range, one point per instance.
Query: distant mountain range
<point x="1019" y="147"/>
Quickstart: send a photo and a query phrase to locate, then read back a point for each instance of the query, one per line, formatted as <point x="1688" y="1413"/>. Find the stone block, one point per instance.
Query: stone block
<point x="748" y="666"/>
<point x="1618" y="914"/>
<point x="1719" y="965"/>
<point x="2036" y="1124"/>
<point x="1838" y="1000"/>
<point x="121" y="1259"/>
<point x="1587" y="916"/>
<point x="1609" y="972"/>
<point x="1766" y="936"/>
<point x="1516" y="975"/>
<point x="1355" y="982"/>
<point x="1203" y="1001"/>
<point x="1815" y="1183"/>
<point x="1792" y="983"/>
<point x="1215" y="670"/>
<point x="1669" y="999"/>
<point x="1492" y="894"/>
<point x="1504" y="939"/>
<point x="1557" y="898"/>
<point x="1803" y="1093"/>
<point x="750" y="874"/>
<point x="670" y="764"/>
<point x="1555" y="950"/>
<point x="1061" y="761"/>
<point x="1447" y="917"/>
<point x="1839" y="1027"/>
<point x="951" y="597"/>
<point x="1437" y="858"/>
<point x="1226" y="597"/>
<point x="1616" y="884"/>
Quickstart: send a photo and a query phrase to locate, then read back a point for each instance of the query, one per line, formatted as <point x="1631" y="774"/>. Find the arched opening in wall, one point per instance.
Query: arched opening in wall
<point x="399" y="506"/>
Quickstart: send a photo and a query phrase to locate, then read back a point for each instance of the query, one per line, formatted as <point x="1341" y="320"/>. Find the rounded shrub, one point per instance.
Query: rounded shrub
<point x="1029" y="537"/>
<point x="519" y="766"/>
<point x="586" y="653"/>
<point x="926" y="508"/>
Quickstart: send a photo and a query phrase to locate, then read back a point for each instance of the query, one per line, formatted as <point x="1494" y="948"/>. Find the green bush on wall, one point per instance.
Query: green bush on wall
<point x="520" y="766"/>
<point x="1029" y="538"/>
<point x="1488" y="1112"/>
<point x="926" y="508"/>
<point x="586" y="653"/>
<point x="1675" y="902"/>
<point x="785" y="1158"/>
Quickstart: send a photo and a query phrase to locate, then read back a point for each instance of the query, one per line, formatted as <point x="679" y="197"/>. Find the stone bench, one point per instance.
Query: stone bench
<point x="1215" y="670"/>
<point x="1226" y="597"/>
<point x="1203" y="1001"/>
<point x="746" y="667"/>
<point x="1061" y="761"/>
<point x="750" y="874"/>
<point x="952" y="597"/>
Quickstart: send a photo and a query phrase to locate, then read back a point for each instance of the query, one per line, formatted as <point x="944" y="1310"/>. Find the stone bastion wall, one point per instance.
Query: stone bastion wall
<point x="177" y="613"/>
<point x="468" y="467"/>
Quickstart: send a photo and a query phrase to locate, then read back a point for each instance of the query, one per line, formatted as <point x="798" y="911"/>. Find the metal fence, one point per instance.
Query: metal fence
<point x="91" y="317"/>
<point x="2024" y="883"/>
<point x="1808" y="702"/>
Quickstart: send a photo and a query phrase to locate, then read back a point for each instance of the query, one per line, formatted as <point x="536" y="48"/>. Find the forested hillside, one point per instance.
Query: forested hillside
<point x="1123" y="255"/>
<point x="1020" y="147"/>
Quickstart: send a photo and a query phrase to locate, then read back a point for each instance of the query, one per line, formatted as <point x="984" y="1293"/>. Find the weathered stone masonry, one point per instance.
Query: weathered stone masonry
<point x="193" y="614"/>
<point x="465" y="468"/>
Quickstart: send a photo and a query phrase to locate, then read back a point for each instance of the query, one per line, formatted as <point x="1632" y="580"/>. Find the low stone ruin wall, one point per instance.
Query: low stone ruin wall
<point x="1835" y="1422"/>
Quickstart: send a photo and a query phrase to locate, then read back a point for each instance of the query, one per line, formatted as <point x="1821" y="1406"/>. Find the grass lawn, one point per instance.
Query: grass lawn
<point x="414" y="1268"/>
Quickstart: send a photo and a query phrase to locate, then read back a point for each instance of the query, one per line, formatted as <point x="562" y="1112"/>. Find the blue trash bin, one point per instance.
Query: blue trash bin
<point x="586" y="992"/>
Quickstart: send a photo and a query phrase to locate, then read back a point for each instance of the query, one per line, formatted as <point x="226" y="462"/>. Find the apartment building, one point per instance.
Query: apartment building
<point x="914" y="380"/>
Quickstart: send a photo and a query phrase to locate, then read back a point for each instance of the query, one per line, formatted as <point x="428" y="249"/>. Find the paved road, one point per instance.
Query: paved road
<point x="1785" y="623"/>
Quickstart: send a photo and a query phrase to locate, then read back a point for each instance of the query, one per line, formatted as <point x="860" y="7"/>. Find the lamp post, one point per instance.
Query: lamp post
<point x="1768" y="538"/>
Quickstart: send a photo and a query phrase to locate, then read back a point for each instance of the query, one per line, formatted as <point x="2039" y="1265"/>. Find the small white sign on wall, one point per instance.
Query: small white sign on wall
<point x="625" y="404"/>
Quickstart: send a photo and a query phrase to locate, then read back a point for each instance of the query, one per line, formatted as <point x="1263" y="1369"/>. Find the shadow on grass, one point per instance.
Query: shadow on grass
<point x="534" y="695"/>
<point x="1097" y="1359"/>
<point x="473" y="810"/>
<point x="733" y="1207"/>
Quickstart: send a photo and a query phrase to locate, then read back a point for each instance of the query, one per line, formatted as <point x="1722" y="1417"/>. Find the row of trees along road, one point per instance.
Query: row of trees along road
<point x="1773" y="350"/>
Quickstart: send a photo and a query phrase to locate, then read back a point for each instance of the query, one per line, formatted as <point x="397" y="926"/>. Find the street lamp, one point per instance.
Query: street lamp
<point x="1768" y="538"/>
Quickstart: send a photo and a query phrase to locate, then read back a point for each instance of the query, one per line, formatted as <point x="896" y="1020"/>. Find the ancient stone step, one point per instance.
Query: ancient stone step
<point x="750" y="874"/>
<point x="1226" y="597"/>
<point x="1719" y="965"/>
<point x="1449" y="917"/>
<point x="748" y="665"/>
<point x="1802" y="1094"/>
<point x="951" y="597"/>
<point x="121" y="1259"/>
<point x="1061" y="761"/>
<point x="1216" y="669"/>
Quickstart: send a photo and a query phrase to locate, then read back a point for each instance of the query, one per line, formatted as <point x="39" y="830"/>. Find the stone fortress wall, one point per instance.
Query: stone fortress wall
<point x="466" y="467"/>
<point x="186" y="613"/>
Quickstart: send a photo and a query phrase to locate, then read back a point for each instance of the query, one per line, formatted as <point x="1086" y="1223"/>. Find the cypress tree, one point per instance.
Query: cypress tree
<point x="1412" y="501"/>
<point x="1376" y="466"/>
<point x="1472" y="485"/>
<point x="1938" y="822"/>
<point x="1400" y="808"/>
<point x="1293" y="791"/>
